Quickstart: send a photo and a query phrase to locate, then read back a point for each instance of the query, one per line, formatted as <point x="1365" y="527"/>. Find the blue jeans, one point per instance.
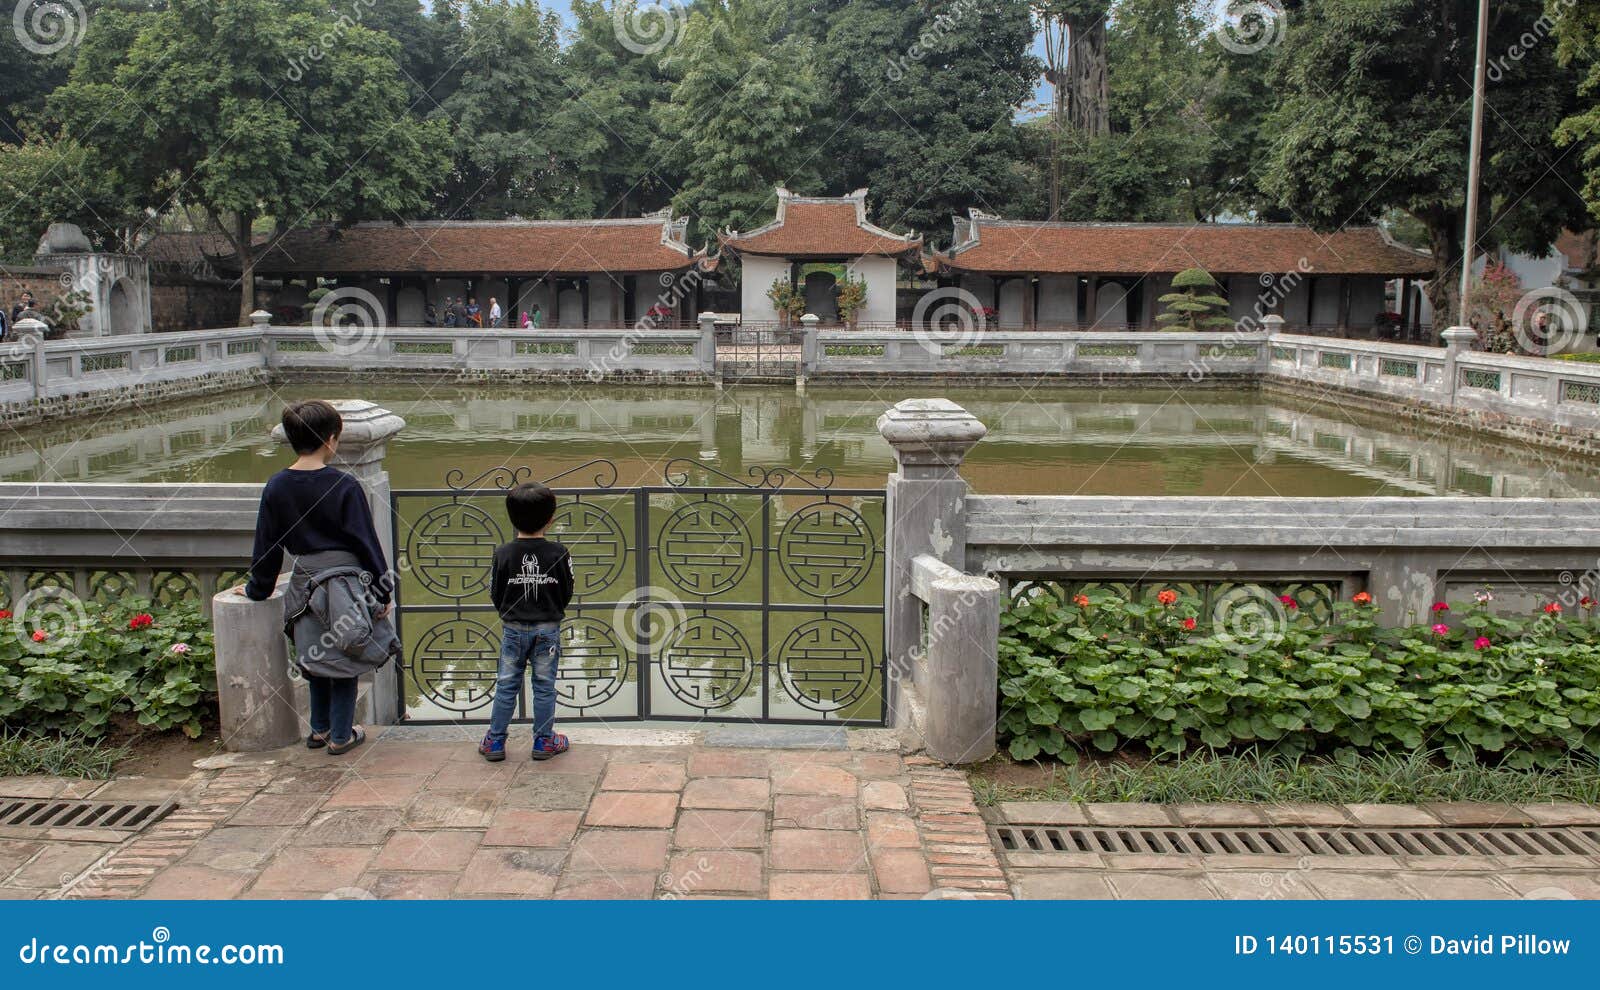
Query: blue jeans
<point x="536" y="648"/>
<point x="333" y="707"/>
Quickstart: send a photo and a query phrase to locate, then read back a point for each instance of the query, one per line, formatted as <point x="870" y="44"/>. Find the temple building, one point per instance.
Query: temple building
<point x="812" y="244"/>
<point x="1109" y="276"/>
<point x="576" y="273"/>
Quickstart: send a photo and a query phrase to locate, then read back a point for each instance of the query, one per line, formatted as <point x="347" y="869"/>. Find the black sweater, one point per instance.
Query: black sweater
<point x="307" y="511"/>
<point x="531" y="581"/>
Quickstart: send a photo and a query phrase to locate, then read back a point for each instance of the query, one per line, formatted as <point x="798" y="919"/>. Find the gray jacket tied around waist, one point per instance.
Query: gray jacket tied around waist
<point x="333" y="618"/>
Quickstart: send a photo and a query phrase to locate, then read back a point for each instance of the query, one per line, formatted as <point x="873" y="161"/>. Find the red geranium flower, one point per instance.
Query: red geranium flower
<point x="1361" y="598"/>
<point x="1189" y="624"/>
<point x="1288" y="602"/>
<point x="1082" y="601"/>
<point x="39" y="635"/>
<point x="1441" y="630"/>
<point x="1481" y="643"/>
<point x="1586" y="602"/>
<point x="1554" y="608"/>
<point x="1168" y="597"/>
<point x="5" y="614"/>
<point x="143" y="620"/>
<point x="1440" y="607"/>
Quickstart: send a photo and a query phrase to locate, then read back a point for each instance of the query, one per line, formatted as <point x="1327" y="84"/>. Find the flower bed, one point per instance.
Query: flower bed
<point x="1099" y="671"/>
<point x="69" y="670"/>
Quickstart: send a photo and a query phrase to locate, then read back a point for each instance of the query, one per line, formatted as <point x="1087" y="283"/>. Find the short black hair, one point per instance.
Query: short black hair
<point x="531" y="507"/>
<point x="310" y="424"/>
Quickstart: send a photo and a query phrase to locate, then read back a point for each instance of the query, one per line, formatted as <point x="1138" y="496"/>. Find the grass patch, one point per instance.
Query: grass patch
<point x="23" y="753"/>
<point x="1253" y="777"/>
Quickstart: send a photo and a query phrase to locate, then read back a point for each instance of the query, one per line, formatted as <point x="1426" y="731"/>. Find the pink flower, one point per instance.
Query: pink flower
<point x="1481" y="643"/>
<point x="1441" y="630"/>
<point x="1288" y="602"/>
<point x="39" y="635"/>
<point x="180" y="648"/>
<point x="1440" y="607"/>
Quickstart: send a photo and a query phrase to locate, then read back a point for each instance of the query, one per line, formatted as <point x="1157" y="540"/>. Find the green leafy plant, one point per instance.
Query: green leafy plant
<point x="1099" y="671"/>
<point x="156" y="665"/>
<point x="1194" y="304"/>
<point x="69" y="754"/>
<point x="789" y="301"/>
<point x="852" y="298"/>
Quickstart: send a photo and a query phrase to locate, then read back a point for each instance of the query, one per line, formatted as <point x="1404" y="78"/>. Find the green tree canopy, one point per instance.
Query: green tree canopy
<point x="244" y="109"/>
<point x="1195" y="304"/>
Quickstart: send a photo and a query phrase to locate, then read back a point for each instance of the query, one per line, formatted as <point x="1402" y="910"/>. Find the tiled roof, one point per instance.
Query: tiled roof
<point x="987" y="244"/>
<point x="502" y="247"/>
<point x="1578" y="249"/>
<point x="816" y="227"/>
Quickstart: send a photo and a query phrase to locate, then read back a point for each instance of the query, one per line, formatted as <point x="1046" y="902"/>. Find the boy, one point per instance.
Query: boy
<point x="530" y="585"/>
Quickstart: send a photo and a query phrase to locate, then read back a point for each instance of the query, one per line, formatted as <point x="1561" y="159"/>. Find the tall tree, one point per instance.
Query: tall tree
<point x="614" y="88"/>
<point x="1077" y="67"/>
<point x="1376" y="114"/>
<point x="1578" y="28"/>
<point x="245" y="111"/>
<point x="742" y="115"/>
<point x="921" y="104"/>
<point x="514" y="142"/>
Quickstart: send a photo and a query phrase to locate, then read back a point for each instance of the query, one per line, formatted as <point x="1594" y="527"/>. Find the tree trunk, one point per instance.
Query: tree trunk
<point x="247" y="269"/>
<point x="1444" y="289"/>
<point x="1088" y="89"/>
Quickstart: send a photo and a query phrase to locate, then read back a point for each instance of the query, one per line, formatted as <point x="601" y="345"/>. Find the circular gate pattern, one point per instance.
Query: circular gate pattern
<point x="707" y="663"/>
<point x="705" y="549"/>
<point x="454" y="665"/>
<point x="451" y="548"/>
<point x="825" y="665"/>
<point x="598" y="547"/>
<point x="593" y="666"/>
<point x="826" y="550"/>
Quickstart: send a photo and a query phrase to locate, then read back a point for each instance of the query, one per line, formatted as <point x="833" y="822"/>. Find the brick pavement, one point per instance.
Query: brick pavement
<point x="422" y="819"/>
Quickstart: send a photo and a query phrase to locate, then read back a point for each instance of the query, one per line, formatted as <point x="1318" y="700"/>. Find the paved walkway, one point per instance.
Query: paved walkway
<point x="422" y="819"/>
<point x="408" y="816"/>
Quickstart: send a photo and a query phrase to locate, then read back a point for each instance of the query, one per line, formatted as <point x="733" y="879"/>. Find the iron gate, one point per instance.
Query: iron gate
<point x="759" y="351"/>
<point x="740" y="600"/>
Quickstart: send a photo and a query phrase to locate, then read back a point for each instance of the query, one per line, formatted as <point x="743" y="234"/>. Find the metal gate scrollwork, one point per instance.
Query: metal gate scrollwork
<point x="754" y="598"/>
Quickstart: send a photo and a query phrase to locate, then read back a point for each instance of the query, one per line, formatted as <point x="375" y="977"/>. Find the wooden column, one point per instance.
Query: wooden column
<point x="583" y="293"/>
<point x="393" y="302"/>
<point x="1029" y="304"/>
<point x="1091" y="306"/>
<point x="616" y="301"/>
<point x="555" y="302"/>
<point x="1344" y="302"/>
<point x="1311" y="301"/>
<point x="513" y="312"/>
<point x="1405" y="306"/>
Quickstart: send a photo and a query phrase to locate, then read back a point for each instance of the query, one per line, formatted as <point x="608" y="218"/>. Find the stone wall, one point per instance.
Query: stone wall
<point x="46" y="284"/>
<point x="191" y="305"/>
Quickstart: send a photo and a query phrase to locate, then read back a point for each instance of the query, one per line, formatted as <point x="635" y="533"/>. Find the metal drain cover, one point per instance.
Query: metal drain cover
<point x="1300" y="841"/>
<point x="129" y="816"/>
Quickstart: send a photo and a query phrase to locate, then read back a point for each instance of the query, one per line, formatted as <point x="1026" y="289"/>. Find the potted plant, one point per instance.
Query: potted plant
<point x="852" y="299"/>
<point x="789" y="301"/>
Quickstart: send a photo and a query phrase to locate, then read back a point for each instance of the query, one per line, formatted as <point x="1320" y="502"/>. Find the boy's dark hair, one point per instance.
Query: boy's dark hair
<point x="310" y="424"/>
<point x="531" y="507"/>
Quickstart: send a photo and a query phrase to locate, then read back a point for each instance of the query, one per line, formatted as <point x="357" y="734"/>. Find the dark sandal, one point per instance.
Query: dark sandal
<point x="315" y="741"/>
<point x="358" y="735"/>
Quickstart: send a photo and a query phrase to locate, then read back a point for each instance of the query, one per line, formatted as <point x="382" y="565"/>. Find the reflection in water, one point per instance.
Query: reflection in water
<point x="1087" y="442"/>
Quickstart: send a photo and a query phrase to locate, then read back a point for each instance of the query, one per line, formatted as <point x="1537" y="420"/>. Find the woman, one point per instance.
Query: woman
<point x="337" y="606"/>
<point x="527" y="321"/>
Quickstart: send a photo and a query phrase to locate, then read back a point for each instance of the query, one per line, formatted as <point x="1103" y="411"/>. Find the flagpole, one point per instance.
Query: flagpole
<point x="1474" y="164"/>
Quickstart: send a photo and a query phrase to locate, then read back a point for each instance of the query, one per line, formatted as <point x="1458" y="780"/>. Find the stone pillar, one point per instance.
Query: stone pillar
<point x="808" y="350"/>
<point x="362" y="446"/>
<point x="31" y="332"/>
<point x="260" y="319"/>
<point x="958" y="678"/>
<point x="926" y="515"/>
<point x="255" y="685"/>
<point x="1457" y="341"/>
<point x="708" y="343"/>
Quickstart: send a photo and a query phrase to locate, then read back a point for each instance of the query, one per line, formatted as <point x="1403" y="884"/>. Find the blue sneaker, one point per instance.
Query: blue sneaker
<point x="493" y="750"/>
<point x="545" y="747"/>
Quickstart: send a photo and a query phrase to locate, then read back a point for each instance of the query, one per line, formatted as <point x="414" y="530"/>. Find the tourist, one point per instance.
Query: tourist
<point x="527" y="321"/>
<point x="337" y="605"/>
<point x="430" y="316"/>
<point x="24" y="304"/>
<point x="530" y="584"/>
<point x="452" y="312"/>
<point x="474" y="312"/>
<point x="538" y="319"/>
<point x="495" y="313"/>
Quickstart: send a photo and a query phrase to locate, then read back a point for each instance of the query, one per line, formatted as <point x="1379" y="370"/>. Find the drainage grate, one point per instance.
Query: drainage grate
<point x="1297" y="841"/>
<point x="52" y="813"/>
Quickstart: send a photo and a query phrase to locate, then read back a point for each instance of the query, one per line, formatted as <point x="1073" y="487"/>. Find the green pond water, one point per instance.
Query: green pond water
<point x="1069" y="441"/>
